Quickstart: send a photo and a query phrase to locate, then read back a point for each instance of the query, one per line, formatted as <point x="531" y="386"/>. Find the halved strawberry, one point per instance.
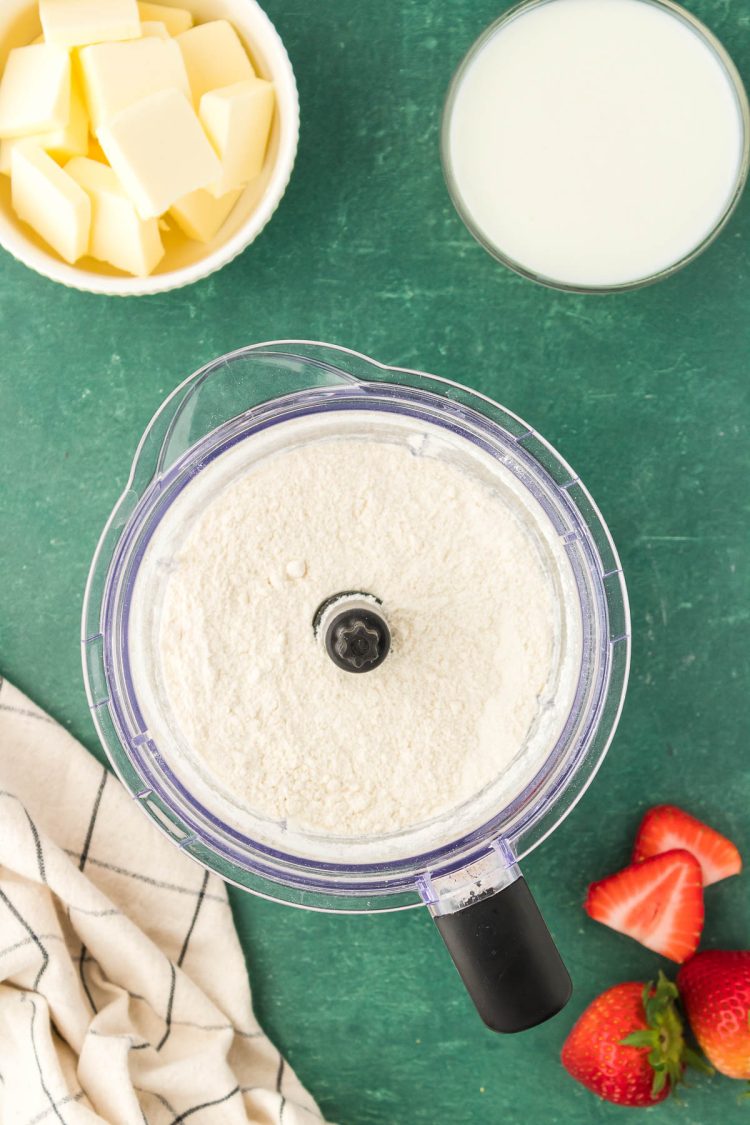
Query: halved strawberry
<point x="659" y="902"/>
<point x="666" y="827"/>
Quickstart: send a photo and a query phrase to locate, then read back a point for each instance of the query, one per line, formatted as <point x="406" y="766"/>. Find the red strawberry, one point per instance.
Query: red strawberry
<point x="666" y="827"/>
<point x="715" y="987"/>
<point x="658" y="902"/>
<point x="627" y="1047"/>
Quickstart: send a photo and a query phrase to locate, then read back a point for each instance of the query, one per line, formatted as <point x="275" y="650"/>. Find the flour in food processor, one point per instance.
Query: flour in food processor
<point x="472" y="610"/>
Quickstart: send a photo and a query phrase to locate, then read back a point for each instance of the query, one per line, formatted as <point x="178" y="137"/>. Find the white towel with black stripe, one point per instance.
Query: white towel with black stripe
<point x="123" y="990"/>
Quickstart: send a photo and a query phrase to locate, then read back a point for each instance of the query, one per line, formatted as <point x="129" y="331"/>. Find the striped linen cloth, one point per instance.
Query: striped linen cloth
<point x="123" y="990"/>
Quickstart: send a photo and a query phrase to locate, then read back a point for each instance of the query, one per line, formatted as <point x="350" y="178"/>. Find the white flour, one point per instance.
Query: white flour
<point x="472" y="611"/>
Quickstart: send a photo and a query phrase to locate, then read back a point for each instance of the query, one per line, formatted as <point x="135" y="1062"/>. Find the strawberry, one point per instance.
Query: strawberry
<point x="666" y="827"/>
<point x="659" y="902"/>
<point x="715" y="987"/>
<point x="628" y="1047"/>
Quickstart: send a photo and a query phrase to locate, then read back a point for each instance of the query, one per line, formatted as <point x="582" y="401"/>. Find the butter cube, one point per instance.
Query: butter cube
<point x="35" y="91"/>
<point x="76" y="23"/>
<point x="176" y="20"/>
<point x="237" y="120"/>
<point x="118" y="235"/>
<point x="200" y="215"/>
<point x="154" y="29"/>
<point x="115" y="75"/>
<point x="95" y="152"/>
<point x="71" y="140"/>
<point x="50" y="201"/>
<point x="214" y="57"/>
<point x="159" y="150"/>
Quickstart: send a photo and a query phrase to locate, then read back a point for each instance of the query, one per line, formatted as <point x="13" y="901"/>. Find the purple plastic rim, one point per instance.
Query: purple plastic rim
<point x="159" y="501"/>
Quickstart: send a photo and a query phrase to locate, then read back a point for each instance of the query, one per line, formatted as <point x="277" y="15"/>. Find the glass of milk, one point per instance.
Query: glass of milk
<point x="596" y="145"/>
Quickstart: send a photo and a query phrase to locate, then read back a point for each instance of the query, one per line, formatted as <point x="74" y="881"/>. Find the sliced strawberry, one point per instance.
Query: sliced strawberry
<point x="666" y="827"/>
<point x="659" y="902"/>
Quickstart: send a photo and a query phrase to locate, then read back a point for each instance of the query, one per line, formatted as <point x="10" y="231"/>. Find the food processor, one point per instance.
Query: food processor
<point x="242" y="410"/>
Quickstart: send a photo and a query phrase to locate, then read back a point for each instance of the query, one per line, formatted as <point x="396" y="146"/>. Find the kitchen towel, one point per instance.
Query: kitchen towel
<point x="123" y="991"/>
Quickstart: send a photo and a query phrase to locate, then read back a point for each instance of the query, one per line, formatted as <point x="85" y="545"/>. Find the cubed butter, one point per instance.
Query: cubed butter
<point x="214" y="57"/>
<point x="35" y="91"/>
<point x="50" y="201"/>
<point x="118" y="235"/>
<point x="96" y="152"/>
<point x="115" y="75"/>
<point x="62" y="144"/>
<point x="237" y="120"/>
<point x="176" y="20"/>
<point x="200" y="215"/>
<point x="153" y="29"/>
<point x="160" y="152"/>
<point x="76" y="23"/>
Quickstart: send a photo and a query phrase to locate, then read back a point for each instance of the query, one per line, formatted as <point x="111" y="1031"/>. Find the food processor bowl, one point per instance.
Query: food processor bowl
<point x="462" y="864"/>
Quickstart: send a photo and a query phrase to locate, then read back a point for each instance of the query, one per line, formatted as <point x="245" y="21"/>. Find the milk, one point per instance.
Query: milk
<point x="595" y="143"/>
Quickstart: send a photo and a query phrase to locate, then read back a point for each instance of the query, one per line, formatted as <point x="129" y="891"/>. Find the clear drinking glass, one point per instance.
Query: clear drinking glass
<point x="496" y="251"/>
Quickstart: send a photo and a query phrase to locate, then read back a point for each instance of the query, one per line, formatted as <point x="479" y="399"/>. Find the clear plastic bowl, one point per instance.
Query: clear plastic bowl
<point x="256" y="391"/>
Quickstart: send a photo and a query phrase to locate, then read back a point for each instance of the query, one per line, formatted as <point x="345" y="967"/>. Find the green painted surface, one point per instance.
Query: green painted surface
<point x="645" y="393"/>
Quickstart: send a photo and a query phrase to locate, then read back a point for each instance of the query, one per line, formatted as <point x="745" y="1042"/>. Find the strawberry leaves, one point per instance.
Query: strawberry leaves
<point x="668" y="1053"/>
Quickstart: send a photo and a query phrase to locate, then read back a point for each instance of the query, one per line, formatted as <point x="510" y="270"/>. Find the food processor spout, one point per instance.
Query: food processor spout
<point x="500" y="945"/>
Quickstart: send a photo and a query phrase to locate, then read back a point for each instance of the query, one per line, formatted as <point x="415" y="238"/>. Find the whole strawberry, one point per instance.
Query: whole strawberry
<point x="715" y="990"/>
<point x="628" y="1047"/>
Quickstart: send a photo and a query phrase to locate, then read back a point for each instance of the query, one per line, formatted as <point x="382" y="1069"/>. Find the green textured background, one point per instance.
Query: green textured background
<point x="645" y="393"/>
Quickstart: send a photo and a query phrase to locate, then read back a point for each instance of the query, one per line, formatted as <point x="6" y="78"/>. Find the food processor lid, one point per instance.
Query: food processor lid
<point x="247" y="394"/>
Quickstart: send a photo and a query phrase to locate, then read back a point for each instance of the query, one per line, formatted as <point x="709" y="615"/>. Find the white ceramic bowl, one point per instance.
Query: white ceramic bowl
<point x="185" y="261"/>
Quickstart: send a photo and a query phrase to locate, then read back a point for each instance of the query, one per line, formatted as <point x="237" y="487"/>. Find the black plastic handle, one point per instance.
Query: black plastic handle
<point x="507" y="959"/>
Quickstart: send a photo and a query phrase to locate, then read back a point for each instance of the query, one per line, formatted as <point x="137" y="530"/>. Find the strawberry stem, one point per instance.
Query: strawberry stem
<point x="668" y="1052"/>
